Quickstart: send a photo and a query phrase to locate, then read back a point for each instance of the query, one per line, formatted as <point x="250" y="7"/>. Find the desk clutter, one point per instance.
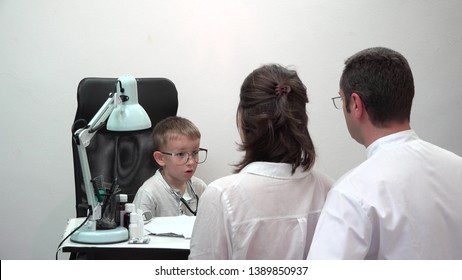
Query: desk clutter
<point x="158" y="247"/>
<point x="137" y="221"/>
<point x="132" y="219"/>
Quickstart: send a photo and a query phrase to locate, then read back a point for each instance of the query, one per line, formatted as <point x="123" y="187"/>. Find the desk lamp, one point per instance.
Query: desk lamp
<point x="125" y="114"/>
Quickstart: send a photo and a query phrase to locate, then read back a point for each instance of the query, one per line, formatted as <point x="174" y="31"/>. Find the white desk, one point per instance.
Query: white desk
<point x="160" y="247"/>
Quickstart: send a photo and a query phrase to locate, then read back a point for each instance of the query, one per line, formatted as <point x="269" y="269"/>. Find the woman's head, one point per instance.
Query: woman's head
<point x="272" y="118"/>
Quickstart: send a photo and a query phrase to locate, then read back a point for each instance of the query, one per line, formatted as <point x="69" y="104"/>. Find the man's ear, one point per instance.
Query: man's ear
<point x="357" y="105"/>
<point x="159" y="158"/>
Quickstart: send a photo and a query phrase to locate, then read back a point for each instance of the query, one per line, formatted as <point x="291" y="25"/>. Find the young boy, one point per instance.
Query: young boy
<point x="173" y="190"/>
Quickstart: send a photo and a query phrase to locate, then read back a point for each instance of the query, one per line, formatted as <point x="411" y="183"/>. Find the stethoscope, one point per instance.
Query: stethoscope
<point x="180" y="198"/>
<point x="189" y="184"/>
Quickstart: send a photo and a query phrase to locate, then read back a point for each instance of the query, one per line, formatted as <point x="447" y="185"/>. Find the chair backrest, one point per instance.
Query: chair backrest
<point x="126" y="156"/>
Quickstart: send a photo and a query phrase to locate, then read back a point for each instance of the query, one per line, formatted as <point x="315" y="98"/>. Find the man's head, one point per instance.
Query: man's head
<point x="383" y="80"/>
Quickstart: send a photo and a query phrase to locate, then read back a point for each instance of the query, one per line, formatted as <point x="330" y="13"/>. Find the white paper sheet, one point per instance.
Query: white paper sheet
<point x="179" y="226"/>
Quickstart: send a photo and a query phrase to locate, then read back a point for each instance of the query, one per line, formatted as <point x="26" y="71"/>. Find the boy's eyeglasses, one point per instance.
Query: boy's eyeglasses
<point x="182" y="158"/>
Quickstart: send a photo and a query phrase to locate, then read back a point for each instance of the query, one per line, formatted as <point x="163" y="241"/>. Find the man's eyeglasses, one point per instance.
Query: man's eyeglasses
<point x="338" y="102"/>
<point x="182" y="158"/>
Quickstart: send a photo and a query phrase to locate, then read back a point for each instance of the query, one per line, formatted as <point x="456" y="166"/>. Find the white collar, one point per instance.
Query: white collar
<point x="391" y="140"/>
<point x="274" y="170"/>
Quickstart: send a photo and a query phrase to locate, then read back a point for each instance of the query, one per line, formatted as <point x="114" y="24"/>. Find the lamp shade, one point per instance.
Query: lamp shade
<point x="129" y="115"/>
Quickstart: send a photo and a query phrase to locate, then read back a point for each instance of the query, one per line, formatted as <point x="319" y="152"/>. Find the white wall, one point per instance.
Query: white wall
<point x="207" y="48"/>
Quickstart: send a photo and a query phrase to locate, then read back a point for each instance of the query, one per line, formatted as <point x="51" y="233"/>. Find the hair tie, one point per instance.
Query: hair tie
<point x="282" y="90"/>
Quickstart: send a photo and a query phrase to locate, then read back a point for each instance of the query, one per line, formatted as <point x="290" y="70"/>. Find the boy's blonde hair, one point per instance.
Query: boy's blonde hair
<point x="172" y="127"/>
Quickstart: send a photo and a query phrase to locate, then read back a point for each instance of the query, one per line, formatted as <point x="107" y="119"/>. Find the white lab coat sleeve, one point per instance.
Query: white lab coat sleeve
<point x="210" y="239"/>
<point x="344" y="230"/>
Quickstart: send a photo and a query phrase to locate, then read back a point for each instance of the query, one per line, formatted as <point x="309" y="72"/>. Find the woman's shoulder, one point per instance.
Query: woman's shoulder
<point x="322" y="179"/>
<point x="321" y="175"/>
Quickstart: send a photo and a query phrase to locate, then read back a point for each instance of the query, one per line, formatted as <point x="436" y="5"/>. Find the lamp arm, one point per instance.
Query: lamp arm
<point x="104" y="112"/>
<point x="83" y="137"/>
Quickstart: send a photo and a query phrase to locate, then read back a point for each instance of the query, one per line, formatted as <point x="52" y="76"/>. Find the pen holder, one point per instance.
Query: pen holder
<point x="107" y="193"/>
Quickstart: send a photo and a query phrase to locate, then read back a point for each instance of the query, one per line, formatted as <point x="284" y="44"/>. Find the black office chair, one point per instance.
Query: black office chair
<point x="126" y="156"/>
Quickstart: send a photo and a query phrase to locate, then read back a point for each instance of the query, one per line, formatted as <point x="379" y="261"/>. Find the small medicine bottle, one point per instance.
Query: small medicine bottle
<point x="122" y="199"/>
<point x="133" y="230"/>
<point x="129" y="208"/>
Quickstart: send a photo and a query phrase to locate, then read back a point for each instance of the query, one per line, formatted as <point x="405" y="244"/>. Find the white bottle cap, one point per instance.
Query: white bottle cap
<point x="123" y="197"/>
<point x="129" y="207"/>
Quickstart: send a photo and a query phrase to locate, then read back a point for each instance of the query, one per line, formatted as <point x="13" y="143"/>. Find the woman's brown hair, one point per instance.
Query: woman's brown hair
<point x="273" y="119"/>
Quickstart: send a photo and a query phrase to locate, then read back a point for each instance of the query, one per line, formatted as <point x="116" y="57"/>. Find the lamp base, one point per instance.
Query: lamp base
<point x="101" y="236"/>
